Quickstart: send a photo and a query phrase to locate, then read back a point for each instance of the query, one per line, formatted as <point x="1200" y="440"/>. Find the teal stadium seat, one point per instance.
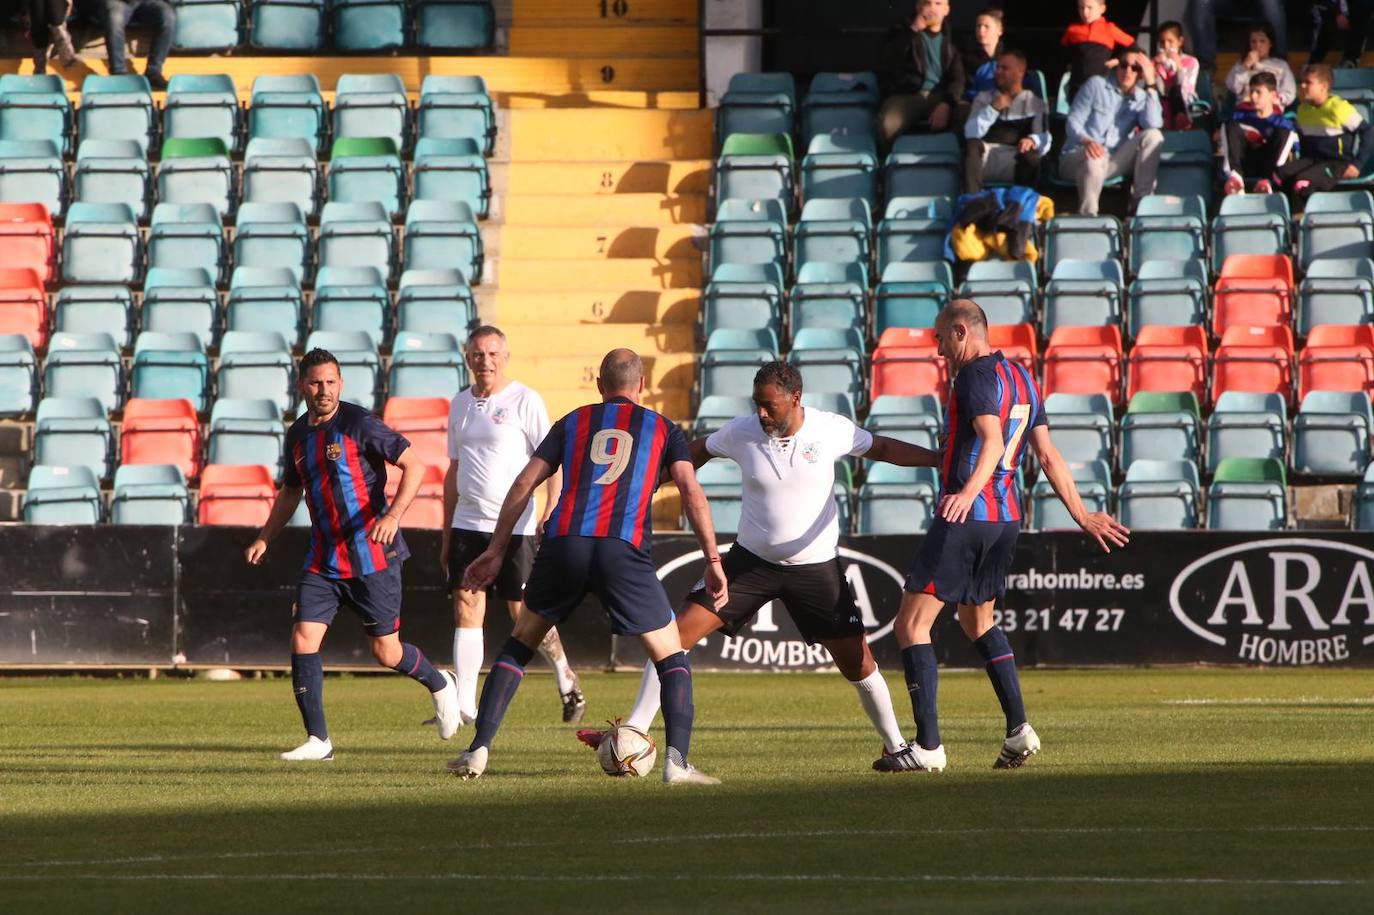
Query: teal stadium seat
<point x="265" y="299"/>
<point x="454" y="25"/>
<point x="288" y="25"/>
<point x="915" y="418"/>
<point x="288" y="107"/>
<point x="1331" y="435"/>
<point x="1008" y="291"/>
<point x="452" y="170"/>
<point x="831" y="402"/>
<point x="62" y="495"/>
<point x="282" y="171"/>
<point x="840" y="168"/>
<point x="197" y="171"/>
<point x="1336" y="290"/>
<point x="36" y="108"/>
<point x="1248" y="494"/>
<point x="1168" y="228"/>
<point x="18" y="376"/>
<point x="84" y="365"/>
<point x="256" y="364"/>
<point x="840" y="104"/>
<point x="352" y="299"/>
<point x="435" y="301"/>
<point x="831" y="361"/>
<point x="911" y="295"/>
<point x="723" y="485"/>
<point x="829" y="294"/>
<point x="757" y="103"/>
<point x="187" y="235"/>
<point x="203" y="105"/>
<point x="370" y="25"/>
<point x="1246" y="424"/>
<point x="456" y="108"/>
<point x="1336" y="224"/>
<point x="1159" y="495"/>
<point x="756" y="166"/>
<point x="359" y="364"/>
<point x="372" y="105"/>
<point x="118" y="108"/>
<point x="717" y="410"/>
<point x="441" y="234"/>
<point x="150" y="494"/>
<point x="833" y="231"/>
<point x="743" y="296"/>
<point x="913" y="230"/>
<point x="170" y="367"/>
<point x="897" y="500"/>
<point x="1363" y="519"/>
<point x="1186" y="167"/>
<point x="182" y="301"/>
<point x="98" y="309"/>
<point x="356" y="235"/>
<point x="1250" y="224"/>
<point x="924" y="164"/>
<point x="1083" y="293"/>
<point x="749" y="232"/>
<point x="1093" y="479"/>
<point x="733" y="356"/>
<point x="113" y="171"/>
<point x="274" y="235"/>
<point x="426" y="365"/>
<point x="1084" y="238"/>
<point x="246" y="432"/>
<point x="208" y="25"/>
<point x="1081" y="427"/>
<point x="72" y="432"/>
<point x="1166" y="292"/>
<point x="31" y="171"/>
<point x="1161" y="425"/>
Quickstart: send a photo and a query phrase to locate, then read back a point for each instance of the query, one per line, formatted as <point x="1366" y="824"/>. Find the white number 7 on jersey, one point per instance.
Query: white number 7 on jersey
<point x="615" y="462"/>
<point x="1019" y="414"/>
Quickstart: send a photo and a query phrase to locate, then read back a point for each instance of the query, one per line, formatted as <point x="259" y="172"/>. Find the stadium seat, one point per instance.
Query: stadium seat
<point x="282" y="171"/>
<point x="1168" y="358"/>
<point x="826" y="295"/>
<point x="441" y="234"/>
<point x="916" y="419"/>
<point x="1253" y="290"/>
<point x="62" y="495"/>
<point x="27" y="239"/>
<point x="452" y="170"/>
<point x="1159" y="495"/>
<point x="1081" y="427"/>
<point x="23" y="306"/>
<point x="1245" y="424"/>
<point x="84" y="365"/>
<point x="1168" y="228"/>
<point x="456" y="108"/>
<point x="1336" y="224"/>
<point x="235" y="495"/>
<point x="1186" y="166"/>
<point x="101" y="244"/>
<point x="1084" y="360"/>
<point x="424" y="421"/>
<point x="833" y="231"/>
<point x="1336" y="290"/>
<point x="911" y="295"/>
<point x="349" y="299"/>
<point x="359" y="365"/>
<point x="749" y="232"/>
<point x="36" y="108"/>
<point x="426" y="365"/>
<point x="756" y="167"/>
<point x="367" y="168"/>
<point x="426" y="512"/>
<point x="265" y="299"/>
<point x="1248" y="494"/>
<point x="732" y="357"/>
<point x="897" y="500"/>
<point x="1161" y="425"/>
<point x="288" y="25"/>
<point x="1364" y="502"/>
<point x="831" y="360"/>
<point x="1256" y="359"/>
<point x="98" y="309"/>
<point x="73" y="432"/>
<point x="246" y="432"/>
<point x="717" y="410"/>
<point x="924" y="164"/>
<point x="207" y="25"/>
<point x="273" y="235"/>
<point x="18" y="376"/>
<point x="843" y="104"/>
<point x="182" y="301"/>
<point x="150" y="494"/>
<point x="1083" y="293"/>
<point x="1169" y="293"/>
<point x="837" y="402"/>
<point x="1008" y="291"/>
<point x="454" y="25"/>
<point x="1332" y="431"/>
<point x="840" y="168"/>
<point x="256" y="364"/>
<point x="749" y="296"/>
<point x="907" y="362"/>
<point x="435" y="301"/>
<point x="203" y="105"/>
<point x="31" y="171"/>
<point x="1082" y="238"/>
<point x="913" y="230"/>
<point x="186" y="236"/>
<point x="722" y="483"/>
<point x="1250" y="224"/>
<point x="1093" y="480"/>
<point x="113" y="171"/>
<point x="197" y="171"/>
<point x="370" y="25"/>
<point x="118" y="108"/>
<point x="161" y="432"/>
<point x="288" y="107"/>
<point x="1337" y="358"/>
<point x="170" y="366"/>
<point x="759" y="103"/>
<point x="356" y="235"/>
<point x="371" y="105"/>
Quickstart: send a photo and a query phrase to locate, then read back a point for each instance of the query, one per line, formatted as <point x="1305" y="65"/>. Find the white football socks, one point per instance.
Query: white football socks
<point x="877" y="703"/>
<point x="468" y="648"/>
<point x="647" y="702"/>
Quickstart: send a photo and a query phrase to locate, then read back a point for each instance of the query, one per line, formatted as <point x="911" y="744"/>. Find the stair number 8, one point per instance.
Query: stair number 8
<point x="1018" y="414"/>
<point x="616" y="461"/>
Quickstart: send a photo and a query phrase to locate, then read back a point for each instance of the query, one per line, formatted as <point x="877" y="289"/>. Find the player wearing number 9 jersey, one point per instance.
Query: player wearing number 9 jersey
<point x="994" y="413"/>
<point x="597" y="541"/>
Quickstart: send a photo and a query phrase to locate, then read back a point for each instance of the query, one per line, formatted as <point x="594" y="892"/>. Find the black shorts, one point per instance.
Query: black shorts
<point x="465" y="546"/>
<point x="567" y="569"/>
<point x="817" y="595"/>
<point x="376" y="598"/>
<point x="965" y="563"/>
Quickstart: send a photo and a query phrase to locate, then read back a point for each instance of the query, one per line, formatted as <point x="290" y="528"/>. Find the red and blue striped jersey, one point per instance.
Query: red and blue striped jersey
<point x="612" y="455"/>
<point x="341" y="465"/>
<point x="990" y="386"/>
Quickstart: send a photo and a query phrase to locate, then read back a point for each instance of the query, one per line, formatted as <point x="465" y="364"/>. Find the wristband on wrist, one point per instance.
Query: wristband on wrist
<point x="713" y="559"/>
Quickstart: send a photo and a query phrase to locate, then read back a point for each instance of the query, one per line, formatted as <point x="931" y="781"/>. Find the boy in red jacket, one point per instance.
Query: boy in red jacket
<point x="1091" y="42"/>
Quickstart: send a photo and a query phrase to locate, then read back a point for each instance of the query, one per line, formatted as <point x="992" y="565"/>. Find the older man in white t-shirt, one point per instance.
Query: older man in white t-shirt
<point x="493" y="428"/>
<point x="787" y="548"/>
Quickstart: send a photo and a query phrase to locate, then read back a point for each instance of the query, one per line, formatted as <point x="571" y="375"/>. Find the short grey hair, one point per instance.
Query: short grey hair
<point x="621" y="370"/>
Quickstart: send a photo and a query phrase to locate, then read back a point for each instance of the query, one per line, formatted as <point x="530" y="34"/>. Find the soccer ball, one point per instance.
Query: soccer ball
<point x="627" y="750"/>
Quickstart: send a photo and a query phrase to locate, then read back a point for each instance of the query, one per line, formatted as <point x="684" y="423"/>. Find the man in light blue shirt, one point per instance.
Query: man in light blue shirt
<point x="1005" y="130"/>
<point x="1114" y="128"/>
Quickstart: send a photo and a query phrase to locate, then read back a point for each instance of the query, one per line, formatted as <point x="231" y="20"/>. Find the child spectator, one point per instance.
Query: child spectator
<point x="1177" y="76"/>
<point x="980" y="65"/>
<point x="1258" y="139"/>
<point x="1260" y="57"/>
<point x="1336" y="141"/>
<point x="1091" y="42"/>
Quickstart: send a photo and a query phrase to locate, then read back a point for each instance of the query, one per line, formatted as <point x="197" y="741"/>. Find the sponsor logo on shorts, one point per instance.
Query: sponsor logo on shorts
<point x="333" y="450"/>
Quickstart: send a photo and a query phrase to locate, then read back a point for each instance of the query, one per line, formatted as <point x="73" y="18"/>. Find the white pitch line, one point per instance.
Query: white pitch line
<point x="1263" y="701"/>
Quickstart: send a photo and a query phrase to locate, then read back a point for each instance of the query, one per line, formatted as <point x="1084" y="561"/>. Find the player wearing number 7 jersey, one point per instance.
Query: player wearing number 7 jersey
<point x="994" y="411"/>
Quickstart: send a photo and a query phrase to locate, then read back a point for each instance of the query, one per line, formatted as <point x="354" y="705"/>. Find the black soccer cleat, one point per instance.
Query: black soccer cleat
<point x="574" y="706"/>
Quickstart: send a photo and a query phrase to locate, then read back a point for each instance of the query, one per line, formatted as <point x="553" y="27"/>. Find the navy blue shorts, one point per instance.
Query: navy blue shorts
<point x="376" y="598"/>
<point x="567" y="569"/>
<point x="965" y="563"/>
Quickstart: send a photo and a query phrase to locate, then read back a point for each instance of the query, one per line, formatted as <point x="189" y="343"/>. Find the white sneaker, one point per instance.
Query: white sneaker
<point x="1019" y="747"/>
<point x="313" y="750"/>
<point x="912" y="758"/>
<point x="469" y="765"/>
<point x="447" y="719"/>
<point x="685" y="774"/>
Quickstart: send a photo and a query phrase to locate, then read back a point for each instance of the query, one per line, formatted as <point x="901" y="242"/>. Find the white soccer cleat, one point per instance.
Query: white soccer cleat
<point x="912" y="758"/>
<point x="447" y="718"/>
<point x="1019" y="747"/>
<point x="469" y="765"/>
<point x="684" y="774"/>
<point x="313" y="750"/>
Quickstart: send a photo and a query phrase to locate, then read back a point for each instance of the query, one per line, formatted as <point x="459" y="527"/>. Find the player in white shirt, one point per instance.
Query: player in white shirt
<point x="493" y="428"/>
<point x="787" y="548"/>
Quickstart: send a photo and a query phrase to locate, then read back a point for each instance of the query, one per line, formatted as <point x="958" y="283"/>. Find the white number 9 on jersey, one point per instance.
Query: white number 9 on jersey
<point x="615" y="461"/>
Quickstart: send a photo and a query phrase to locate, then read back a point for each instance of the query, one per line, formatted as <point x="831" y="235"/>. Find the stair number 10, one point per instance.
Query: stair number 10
<point x="615" y="461"/>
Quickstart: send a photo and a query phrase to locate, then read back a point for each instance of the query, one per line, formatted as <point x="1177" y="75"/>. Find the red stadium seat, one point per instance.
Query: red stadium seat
<point x="908" y="362"/>
<point x="23" y="306"/>
<point x="1168" y="359"/>
<point x="1084" y="360"/>
<point x="26" y="238"/>
<point x="236" y="495"/>
<point x="161" y="432"/>
<point x="1254" y="290"/>
<point x="1016" y="341"/>
<point x="1342" y="335"/>
<point x="1337" y="358"/>
<point x="427" y="511"/>
<point x="1255" y="359"/>
<point x="423" y="420"/>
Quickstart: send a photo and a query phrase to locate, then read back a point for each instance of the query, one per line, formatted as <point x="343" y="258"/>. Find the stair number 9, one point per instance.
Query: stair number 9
<point x="616" y="461"/>
<point x="1018" y="414"/>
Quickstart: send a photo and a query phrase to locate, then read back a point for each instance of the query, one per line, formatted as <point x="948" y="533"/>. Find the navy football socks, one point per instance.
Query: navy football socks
<point x="922" y="680"/>
<point x="416" y="666"/>
<point x="675" y="692"/>
<point x="307" y="680"/>
<point x="502" y="682"/>
<point x="1001" y="668"/>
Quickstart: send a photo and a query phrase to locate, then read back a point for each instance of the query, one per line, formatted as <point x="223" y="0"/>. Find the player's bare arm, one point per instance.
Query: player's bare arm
<point x="699" y="516"/>
<point x="483" y="570"/>
<point x="412" y="475"/>
<point x="955" y="507"/>
<point x="283" y="507"/>
<point x="1102" y="527"/>
<point x="903" y="454"/>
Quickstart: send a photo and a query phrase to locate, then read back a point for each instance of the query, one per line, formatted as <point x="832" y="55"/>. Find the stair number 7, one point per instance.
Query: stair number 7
<point x="1018" y="415"/>
<point x="615" y="460"/>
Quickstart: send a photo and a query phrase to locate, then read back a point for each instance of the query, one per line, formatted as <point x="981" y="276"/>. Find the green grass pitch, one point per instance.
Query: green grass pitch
<point x="1197" y="790"/>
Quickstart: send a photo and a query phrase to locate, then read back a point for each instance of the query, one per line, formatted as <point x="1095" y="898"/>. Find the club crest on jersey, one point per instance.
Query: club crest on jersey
<point x="332" y="451"/>
<point x="498" y="415"/>
<point x="811" y="451"/>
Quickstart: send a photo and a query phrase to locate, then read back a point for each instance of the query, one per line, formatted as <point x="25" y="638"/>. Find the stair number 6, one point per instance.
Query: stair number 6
<point x="616" y="461"/>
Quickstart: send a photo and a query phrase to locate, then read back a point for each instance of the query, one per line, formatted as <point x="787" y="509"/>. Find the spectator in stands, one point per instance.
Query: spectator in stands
<point x="980" y="64"/>
<point x="1091" y="43"/>
<point x="1330" y="17"/>
<point x="1177" y="76"/>
<point x="1336" y="141"/>
<point x="1201" y="18"/>
<point x="1261" y="58"/>
<point x="48" y="29"/>
<point x="1114" y="128"/>
<point x="923" y="74"/>
<point x="1006" y="130"/>
<point x="156" y="13"/>
<point x="1258" y="139"/>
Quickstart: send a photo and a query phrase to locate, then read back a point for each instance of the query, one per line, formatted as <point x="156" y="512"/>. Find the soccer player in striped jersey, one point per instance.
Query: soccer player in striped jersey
<point x="597" y="541"/>
<point x="336" y="457"/>
<point x="995" y="410"/>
